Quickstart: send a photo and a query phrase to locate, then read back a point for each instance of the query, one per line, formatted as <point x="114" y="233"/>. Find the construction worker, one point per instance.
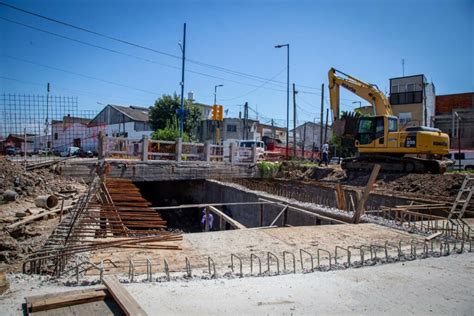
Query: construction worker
<point x="210" y="220"/>
<point x="325" y="150"/>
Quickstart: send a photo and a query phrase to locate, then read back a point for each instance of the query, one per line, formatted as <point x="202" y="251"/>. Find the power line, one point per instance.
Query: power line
<point x="253" y="90"/>
<point x="78" y="74"/>
<point x="223" y="69"/>
<point x="77" y="91"/>
<point x="134" y="56"/>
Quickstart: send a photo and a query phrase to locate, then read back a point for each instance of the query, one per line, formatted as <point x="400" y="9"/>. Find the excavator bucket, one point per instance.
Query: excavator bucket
<point x="346" y="126"/>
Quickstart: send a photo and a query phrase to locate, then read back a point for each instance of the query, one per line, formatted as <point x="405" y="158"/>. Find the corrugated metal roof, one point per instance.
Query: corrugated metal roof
<point x="136" y="113"/>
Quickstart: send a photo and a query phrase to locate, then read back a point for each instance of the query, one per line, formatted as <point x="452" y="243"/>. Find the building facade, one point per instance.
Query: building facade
<point x="74" y="132"/>
<point x="230" y="129"/>
<point x="123" y="121"/>
<point x="275" y="132"/>
<point x="308" y="135"/>
<point x="413" y="100"/>
<point x="455" y="116"/>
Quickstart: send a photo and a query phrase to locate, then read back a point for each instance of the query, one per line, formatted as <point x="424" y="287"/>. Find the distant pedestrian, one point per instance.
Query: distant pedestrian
<point x="210" y="220"/>
<point x="325" y="150"/>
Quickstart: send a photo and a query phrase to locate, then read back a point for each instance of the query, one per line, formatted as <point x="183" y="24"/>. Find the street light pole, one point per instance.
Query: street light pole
<point x="360" y="103"/>
<point x="215" y="92"/>
<point x="181" y="111"/>
<point x="287" y="94"/>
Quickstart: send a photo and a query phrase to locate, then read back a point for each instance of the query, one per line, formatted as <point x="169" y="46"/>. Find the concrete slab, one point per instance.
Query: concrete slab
<point x="220" y="245"/>
<point x="435" y="286"/>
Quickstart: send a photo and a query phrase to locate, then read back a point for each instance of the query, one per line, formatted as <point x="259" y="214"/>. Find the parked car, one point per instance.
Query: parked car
<point x="11" y="151"/>
<point x="245" y="148"/>
<point x="85" y="153"/>
<point x="45" y="152"/>
<point x="461" y="161"/>
<point x="70" y="151"/>
<point x="335" y="161"/>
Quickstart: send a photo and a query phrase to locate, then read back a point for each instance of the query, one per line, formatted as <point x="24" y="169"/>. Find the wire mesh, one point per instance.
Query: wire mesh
<point x="43" y="127"/>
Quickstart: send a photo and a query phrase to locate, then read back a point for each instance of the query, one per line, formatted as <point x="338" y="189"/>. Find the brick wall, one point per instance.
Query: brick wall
<point x="446" y="103"/>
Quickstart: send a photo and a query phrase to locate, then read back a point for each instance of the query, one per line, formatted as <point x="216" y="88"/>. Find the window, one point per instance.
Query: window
<point x="418" y="96"/>
<point x="232" y="128"/>
<point x="55" y="136"/>
<point x="394" y="89"/>
<point x="404" y="117"/>
<point x="410" y="87"/>
<point x="458" y="156"/>
<point x="392" y="125"/>
<point x="379" y="127"/>
<point x="366" y="125"/>
<point x="366" y="130"/>
<point x="401" y="88"/>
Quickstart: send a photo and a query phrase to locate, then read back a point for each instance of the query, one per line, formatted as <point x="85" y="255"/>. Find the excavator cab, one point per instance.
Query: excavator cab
<point x="373" y="130"/>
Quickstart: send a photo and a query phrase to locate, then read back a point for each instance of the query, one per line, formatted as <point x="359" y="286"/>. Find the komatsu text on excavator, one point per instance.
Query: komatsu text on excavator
<point x="378" y="138"/>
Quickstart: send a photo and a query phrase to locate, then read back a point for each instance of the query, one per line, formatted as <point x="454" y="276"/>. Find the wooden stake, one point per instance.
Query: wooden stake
<point x="361" y="205"/>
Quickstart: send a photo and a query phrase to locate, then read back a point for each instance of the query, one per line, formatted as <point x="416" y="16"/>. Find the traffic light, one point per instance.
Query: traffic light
<point x="214" y="112"/>
<point x="220" y="112"/>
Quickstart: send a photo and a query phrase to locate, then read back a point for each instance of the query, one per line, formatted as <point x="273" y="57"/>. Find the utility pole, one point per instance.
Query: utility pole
<point x="181" y="111"/>
<point x="304" y="139"/>
<point x="246" y="114"/>
<point x="322" y="117"/>
<point x="273" y="129"/>
<point x="287" y="95"/>
<point x="314" y="126"/>
<point x="294" y="120"/>
<point x="326" y="128"/>
<point x="48" y="144"/>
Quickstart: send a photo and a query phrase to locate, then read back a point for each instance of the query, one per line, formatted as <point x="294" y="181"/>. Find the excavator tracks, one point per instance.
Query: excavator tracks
<point x="394" y="164"/>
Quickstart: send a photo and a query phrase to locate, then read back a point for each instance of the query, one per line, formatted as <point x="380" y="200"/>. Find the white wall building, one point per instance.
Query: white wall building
<point x="121" y="121"/>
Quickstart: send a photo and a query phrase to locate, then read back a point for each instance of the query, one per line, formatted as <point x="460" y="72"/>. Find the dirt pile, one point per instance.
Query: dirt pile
<point x="422" y="185"/>
<point x="31" y="183"/>
<point x="16" y="243"/>
<point x="433" y="185"/>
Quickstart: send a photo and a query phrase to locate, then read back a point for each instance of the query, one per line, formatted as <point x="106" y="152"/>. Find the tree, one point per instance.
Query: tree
<point x="169" y="132"/>
<point x="165" y="113"/>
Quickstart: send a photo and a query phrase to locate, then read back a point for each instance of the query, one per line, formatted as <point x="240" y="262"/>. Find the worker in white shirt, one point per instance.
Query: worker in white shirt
<point x="325" y="150"/>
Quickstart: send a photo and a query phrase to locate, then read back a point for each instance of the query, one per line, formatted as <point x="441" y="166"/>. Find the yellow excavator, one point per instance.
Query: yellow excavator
<point x="378" y="138"/>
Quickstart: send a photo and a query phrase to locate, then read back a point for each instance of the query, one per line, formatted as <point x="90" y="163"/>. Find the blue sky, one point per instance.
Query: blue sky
<point x="367" y="39"/>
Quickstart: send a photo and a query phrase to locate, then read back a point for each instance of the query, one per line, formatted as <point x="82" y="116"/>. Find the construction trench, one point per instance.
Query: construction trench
<point x="153" y="231"/>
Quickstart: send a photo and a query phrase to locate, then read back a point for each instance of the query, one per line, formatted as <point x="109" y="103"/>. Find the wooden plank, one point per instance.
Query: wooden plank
<point x="228" y="219"/>
<point x="303" y="211"/>
<point x="126" y="302"/>
<point x="433" y="236"/>
<point x="159" y="208"/>
<point x="58" y="300"/>
<point x="32" y="218"/>
<point x="279" y="214"/>
<point x="340" y="198"/>
<point x="365" y="195"/>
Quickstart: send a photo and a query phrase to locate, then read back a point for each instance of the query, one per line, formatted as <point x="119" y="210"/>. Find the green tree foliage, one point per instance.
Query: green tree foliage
<point x="163" y="114"/>
<point x="169" y="132"/>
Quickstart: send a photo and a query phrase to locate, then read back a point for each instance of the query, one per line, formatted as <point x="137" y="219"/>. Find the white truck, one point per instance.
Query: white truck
<point x="244" y="149"/>
<point x="461" y="161"/>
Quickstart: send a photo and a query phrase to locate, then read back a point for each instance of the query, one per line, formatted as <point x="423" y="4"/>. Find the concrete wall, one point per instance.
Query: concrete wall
<point x="323" y="195"/>
<point x="159" y="170"/>
<point x="201" y="192"/>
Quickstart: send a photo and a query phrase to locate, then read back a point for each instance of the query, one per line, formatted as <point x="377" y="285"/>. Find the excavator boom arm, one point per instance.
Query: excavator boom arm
<point x="366" y="91"/>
